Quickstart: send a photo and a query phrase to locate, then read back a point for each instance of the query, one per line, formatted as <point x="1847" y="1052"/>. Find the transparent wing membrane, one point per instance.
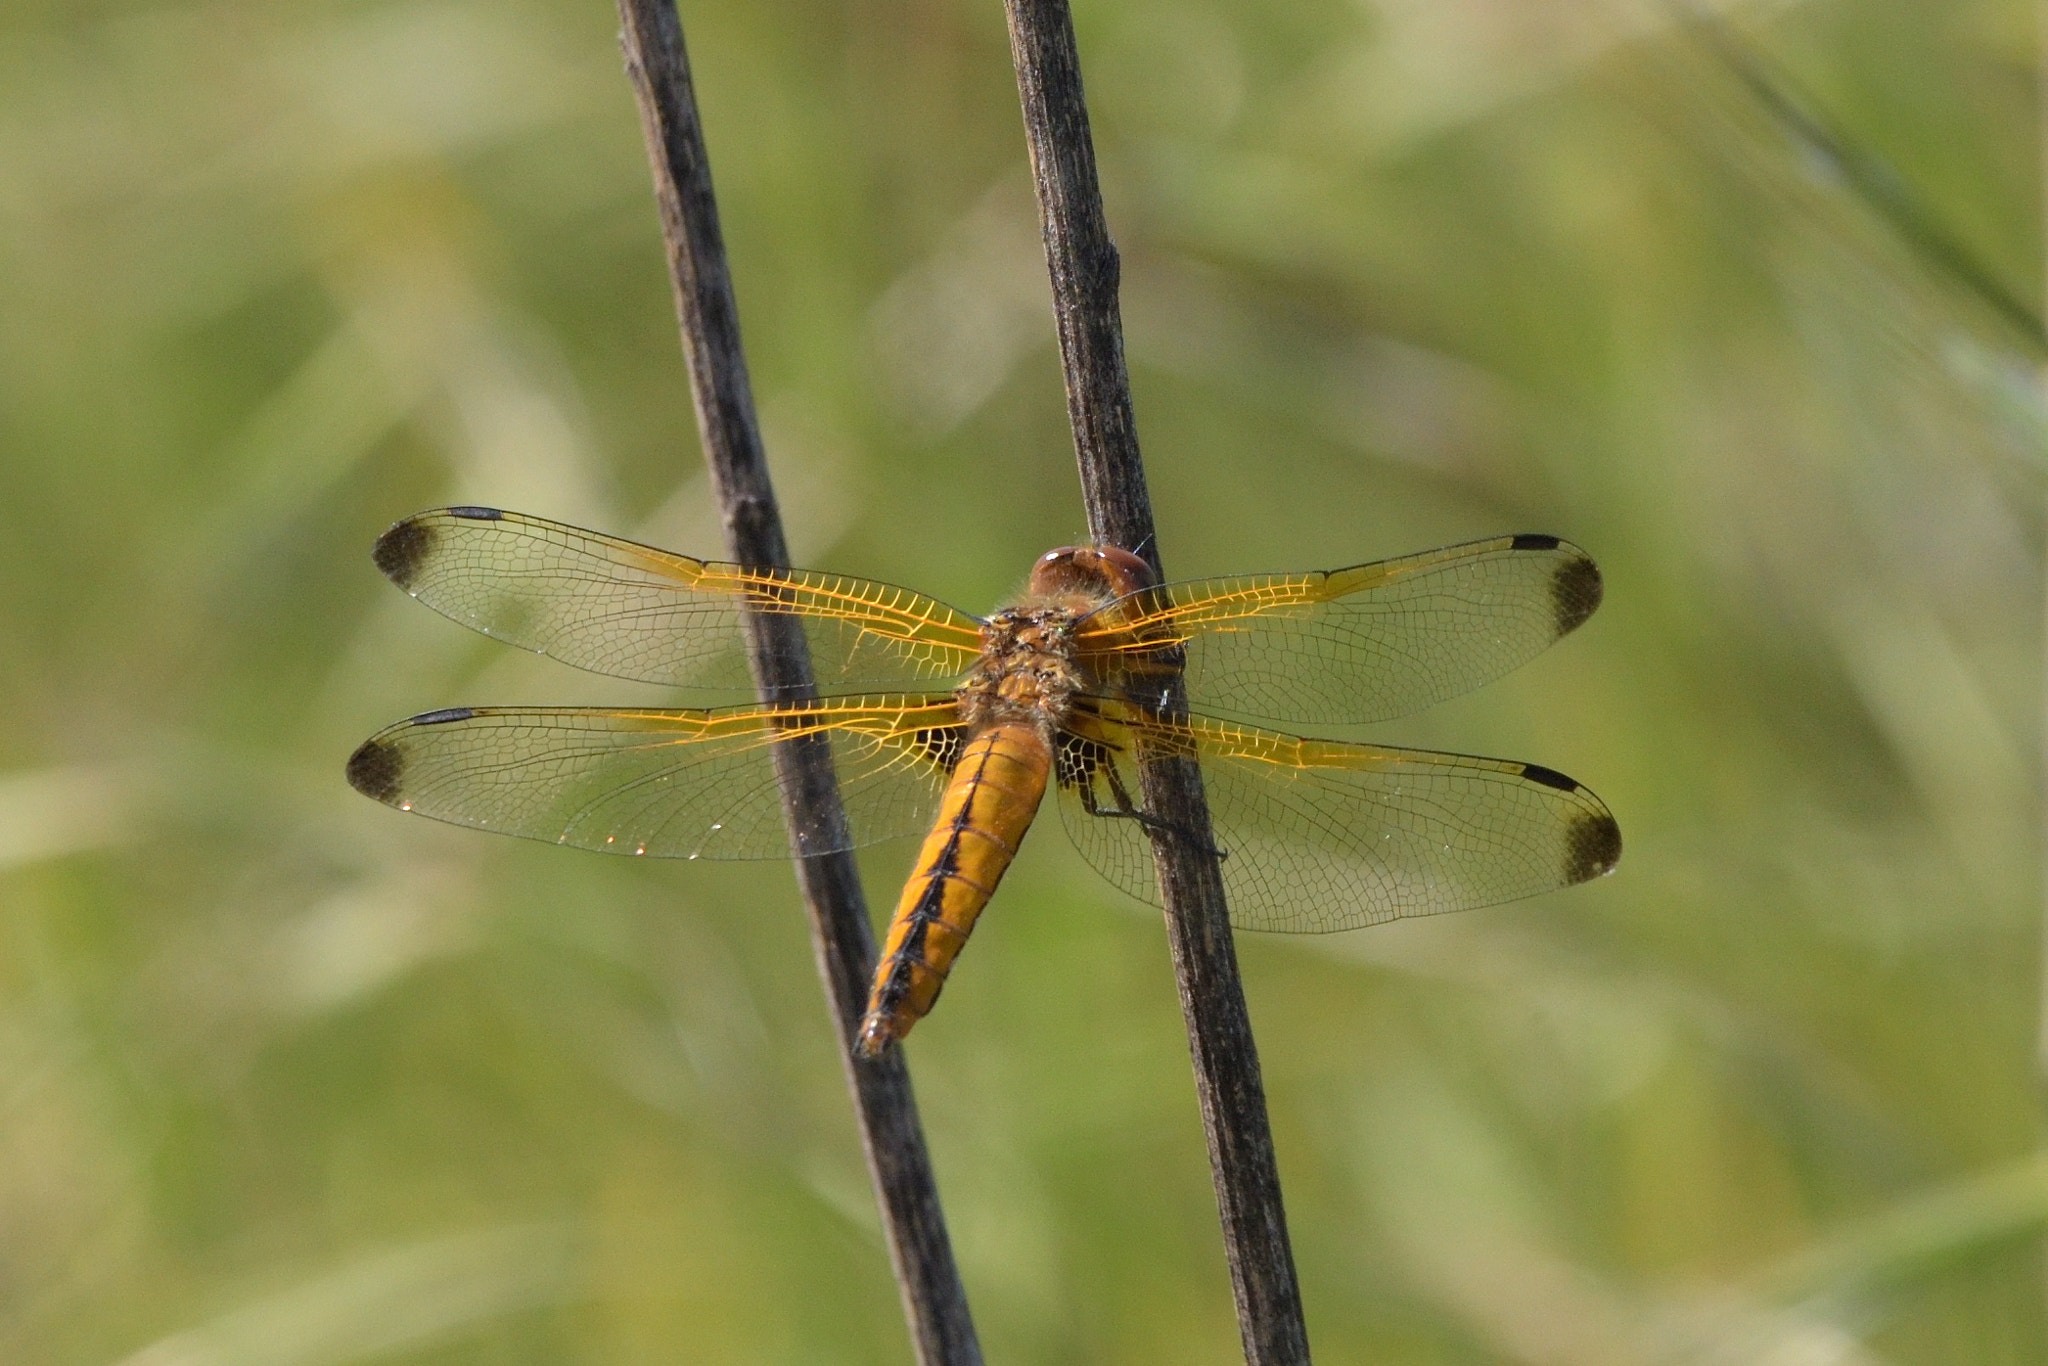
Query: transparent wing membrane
<point x="1320" y="835"/>
<point x="631" y="611"/>
<point x="667" y="784"/>
<point x="1353" y="645"/>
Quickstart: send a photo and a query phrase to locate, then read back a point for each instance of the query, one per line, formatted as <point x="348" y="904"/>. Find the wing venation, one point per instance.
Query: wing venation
<point x="1353" y="645"/>
<point x="668" y="783"/>
<point x="1322" y="835"/>
<point x="632" y="611"/>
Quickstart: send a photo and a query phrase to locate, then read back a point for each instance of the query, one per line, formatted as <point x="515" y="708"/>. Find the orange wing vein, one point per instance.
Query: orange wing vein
<point x="1322" y="835"/>
<point x="669" y="783"/>
<point x="1352" y="645"/>
<point x="614" y="607"/>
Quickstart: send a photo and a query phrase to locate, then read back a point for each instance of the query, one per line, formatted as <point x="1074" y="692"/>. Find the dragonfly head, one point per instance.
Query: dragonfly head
<point x="1097" y="573"/>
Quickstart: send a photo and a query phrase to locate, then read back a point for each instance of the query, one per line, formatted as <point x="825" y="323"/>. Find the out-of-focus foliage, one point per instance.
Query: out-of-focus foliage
<point x="291" y="1079"/>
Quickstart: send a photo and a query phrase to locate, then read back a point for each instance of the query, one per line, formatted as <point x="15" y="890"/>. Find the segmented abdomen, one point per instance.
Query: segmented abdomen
<point x="989" y="801"/>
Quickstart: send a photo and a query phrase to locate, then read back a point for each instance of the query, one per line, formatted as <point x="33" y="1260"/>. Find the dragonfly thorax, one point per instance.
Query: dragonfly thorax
<point x="1026" y="671"/>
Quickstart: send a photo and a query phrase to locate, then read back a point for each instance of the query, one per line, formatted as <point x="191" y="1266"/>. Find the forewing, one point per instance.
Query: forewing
<point x="1321" y="835"/>
<point x="632" y="611"/>
<point x="669" y="784"/>
<point x="1350" y="645"/>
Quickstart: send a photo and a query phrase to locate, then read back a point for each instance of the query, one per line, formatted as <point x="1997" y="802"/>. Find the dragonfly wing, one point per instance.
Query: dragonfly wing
<point x="1352" y="645"/>
<point x="632" y="611"/>
<point x="670" y="784"/>
<point x="1322" y="835"/>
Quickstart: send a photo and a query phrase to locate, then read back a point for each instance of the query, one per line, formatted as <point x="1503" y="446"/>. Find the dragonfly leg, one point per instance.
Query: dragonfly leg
<point x="1126" y="809"/>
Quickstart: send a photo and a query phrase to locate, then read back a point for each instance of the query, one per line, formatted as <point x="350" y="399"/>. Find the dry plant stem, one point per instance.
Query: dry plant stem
<point x="1084" y="269"/>
<point x="2041" y="1024"/>
<point x="933" y="1299"/>
<point x="2041" y="1035"/>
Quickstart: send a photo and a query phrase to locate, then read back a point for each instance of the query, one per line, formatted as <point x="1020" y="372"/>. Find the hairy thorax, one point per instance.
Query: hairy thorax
<point x="1026" y="671"/>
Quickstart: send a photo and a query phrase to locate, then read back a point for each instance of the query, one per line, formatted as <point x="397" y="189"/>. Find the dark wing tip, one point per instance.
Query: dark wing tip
<point x="1592" y="847"/>
<point x="1592" y="842"/>
<point x="1549" y="777"/>
<point x="1575" y="591"/>
<point x="401" y="550"/>
<point x="376" y="769"/>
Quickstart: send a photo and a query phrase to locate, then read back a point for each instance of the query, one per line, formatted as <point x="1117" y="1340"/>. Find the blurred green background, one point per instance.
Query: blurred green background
<point x="292" y="1079"/>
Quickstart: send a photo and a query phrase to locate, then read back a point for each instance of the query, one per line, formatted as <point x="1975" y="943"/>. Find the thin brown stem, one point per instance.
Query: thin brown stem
<point x="934" y="1301"/>
<point x="1084" y="268"/>
<point x="2041" y="1006"/>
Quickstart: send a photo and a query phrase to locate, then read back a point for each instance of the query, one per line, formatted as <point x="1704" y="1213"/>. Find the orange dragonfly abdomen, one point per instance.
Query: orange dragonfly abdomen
<point x="989" y="802"/>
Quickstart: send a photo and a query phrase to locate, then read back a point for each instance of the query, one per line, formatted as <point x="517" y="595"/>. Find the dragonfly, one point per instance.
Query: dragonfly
<point x="953" y="726"/>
